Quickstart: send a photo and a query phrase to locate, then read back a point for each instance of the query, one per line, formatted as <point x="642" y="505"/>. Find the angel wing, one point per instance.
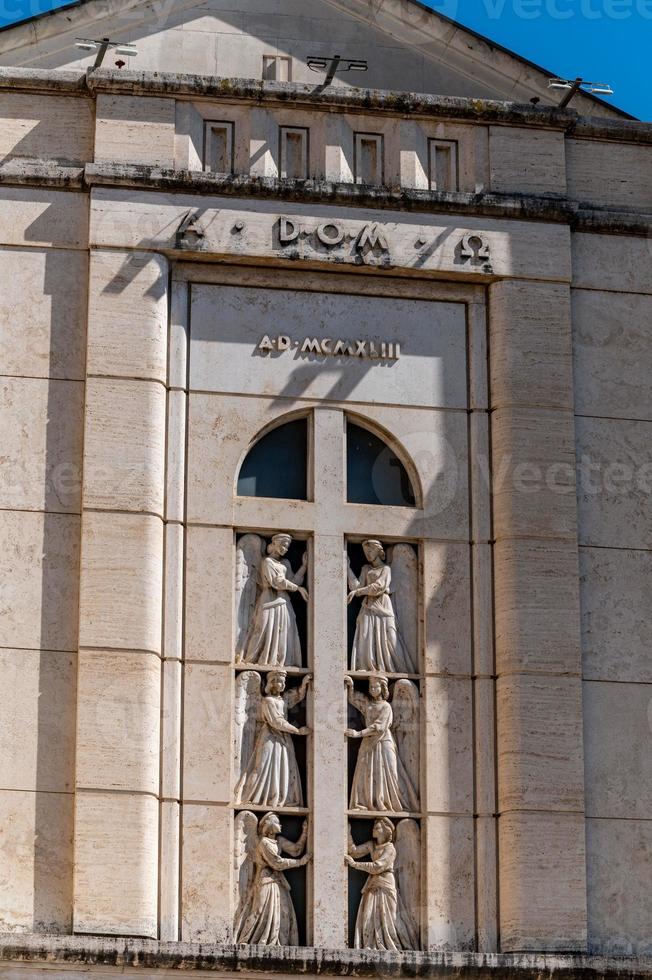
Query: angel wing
<point x="245" y="838"/>
<point x="249" y="552"/>
<point x="408" y="877"/>
<point x="405" y="708"/>
<point x="247" y="722"/>
<point x="405" y="589"/>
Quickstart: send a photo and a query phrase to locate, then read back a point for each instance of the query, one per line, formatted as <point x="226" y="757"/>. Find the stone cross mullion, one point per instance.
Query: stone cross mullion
<point x="329" y="825"/>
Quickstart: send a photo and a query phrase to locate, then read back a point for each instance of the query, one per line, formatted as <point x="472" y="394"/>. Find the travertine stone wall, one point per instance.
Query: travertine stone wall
<point x="115" y="745"/>
<point x="539" y="697"/>
<point x="46" y="127"/>
<point x="612" y="346"/>
<point x="42" y="367"/>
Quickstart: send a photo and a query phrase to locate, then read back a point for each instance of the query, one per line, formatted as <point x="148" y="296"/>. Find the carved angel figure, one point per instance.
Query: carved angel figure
<point x="381" y="780"/>
<point x="377" y="644"/>
<point x="265" y="913"/>
<point x="270" y="775"/>
<point x="384" y="921"/>
<point x="267" y="628"/>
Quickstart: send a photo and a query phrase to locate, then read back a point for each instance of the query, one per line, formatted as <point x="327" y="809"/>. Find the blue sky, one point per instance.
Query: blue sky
<point x="601" y="40"/>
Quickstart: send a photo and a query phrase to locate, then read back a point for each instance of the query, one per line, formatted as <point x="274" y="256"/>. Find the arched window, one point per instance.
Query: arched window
<point x="374" y="473"/>
<point x="277" y="464"/>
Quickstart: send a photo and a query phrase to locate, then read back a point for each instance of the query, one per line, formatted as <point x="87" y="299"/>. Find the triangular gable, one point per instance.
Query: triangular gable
<point x="408" y="46"/>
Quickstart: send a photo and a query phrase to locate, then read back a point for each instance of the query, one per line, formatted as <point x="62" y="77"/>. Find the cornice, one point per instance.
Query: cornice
<point x="151" y="955"/>
<point x="515" y="207"/>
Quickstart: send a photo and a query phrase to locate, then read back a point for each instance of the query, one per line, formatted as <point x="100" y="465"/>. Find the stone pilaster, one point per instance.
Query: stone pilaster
<point x="121" y="590"/>
<point x="538" y="657"/>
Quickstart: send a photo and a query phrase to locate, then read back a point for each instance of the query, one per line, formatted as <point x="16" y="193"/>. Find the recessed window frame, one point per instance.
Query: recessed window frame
<point x="452" y="148"/>
<point x="358" y="139"/>
<point x="283" y="133"/>
<point x="389" y="444"/>
<point x="279" y="423"/>
<point x="229" y="127"/>
<point x="274" y="61"/>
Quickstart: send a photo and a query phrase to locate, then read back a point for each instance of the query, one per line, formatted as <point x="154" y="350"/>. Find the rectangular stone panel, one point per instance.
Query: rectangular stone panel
<point x="610" y="173"/>
<point x="542" y="882"/>
<point x="533" y="469"/>
<point x="40" y="467"/>
<point x="225" y="354"/>
<point x="618" y="856"/>
<point x="484" y="733"/>
<point x="482" y="559"/>
<point x="36" y="857"/>
<point x="206" y="888"/>
<point x="127" y="316"/>
<point x="210" y="574"/>
<point x="537" y="607"/>
<point x="207" y="738"/>
<point x="39" y="580"/>
<point x="118" y="721"/>
<point x="615" y="590"/>
<point x="450" y="884"/>
<point x="46" y="127"/>
<point x="486" y="846"/>
<point x="121" y="583"/>
<point x="124" y="445"/>
<point x="128" y="219"/>
<point x="135" y="130"/>
<point x="531" y="350"/>
<point x="43" y="312"/>
<point x="615" y="262"/>
<point x="539" y="739"/>
<point x="40" y="216"/>
<point x="447" y="608"/>
<point x="448" y="745"/>
<point x="614" y="483"/>
<point x="116" y="864"/>
<point x="612" y="351"/>
<point x="174" y="580"/>
<point x="171" y="714"/>
<point x="526" y="161"/>
<point x="617" y="749"/>
<point x="37" y="734"/>
<point x="169" y="875"/>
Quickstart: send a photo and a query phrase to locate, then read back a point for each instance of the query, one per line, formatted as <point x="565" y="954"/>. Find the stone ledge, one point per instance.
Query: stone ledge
<point x="144" y="954"/>
<point x="551" y="209"/>
<point x="50" y="173"/>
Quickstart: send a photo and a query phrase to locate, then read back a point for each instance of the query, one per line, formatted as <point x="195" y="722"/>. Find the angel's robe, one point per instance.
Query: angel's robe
<point x="272" y="776"/>
<point x="273" y="638"/>
<point x="380" y="781"/>
<point x="376" y="644"/>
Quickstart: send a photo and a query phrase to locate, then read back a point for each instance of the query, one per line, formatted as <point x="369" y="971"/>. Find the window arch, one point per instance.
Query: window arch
<point x="277" y="463"/>
<point x="374" y="472"/>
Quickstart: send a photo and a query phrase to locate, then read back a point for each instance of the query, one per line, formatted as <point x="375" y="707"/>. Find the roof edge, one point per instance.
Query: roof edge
<point x="60" y="12"/>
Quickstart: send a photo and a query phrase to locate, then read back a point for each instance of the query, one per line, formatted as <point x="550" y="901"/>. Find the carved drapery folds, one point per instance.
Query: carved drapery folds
<point x="264" y="910"/>
<point x="389" y="910"/>
<point x="267" y="631"/>
<point x="271" y="789"/>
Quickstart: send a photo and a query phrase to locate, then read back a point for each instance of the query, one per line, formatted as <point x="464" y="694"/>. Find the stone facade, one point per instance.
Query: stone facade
<point x="160" y="318"/>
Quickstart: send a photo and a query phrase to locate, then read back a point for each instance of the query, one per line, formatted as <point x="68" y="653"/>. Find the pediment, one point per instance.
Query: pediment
<point x="407" y="46"/>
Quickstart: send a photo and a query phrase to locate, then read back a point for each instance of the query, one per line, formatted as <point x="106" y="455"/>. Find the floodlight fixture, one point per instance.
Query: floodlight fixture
<point x="572" y="87"/>
<point x="103" y="45"/>
<point x="332" y="66"/>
